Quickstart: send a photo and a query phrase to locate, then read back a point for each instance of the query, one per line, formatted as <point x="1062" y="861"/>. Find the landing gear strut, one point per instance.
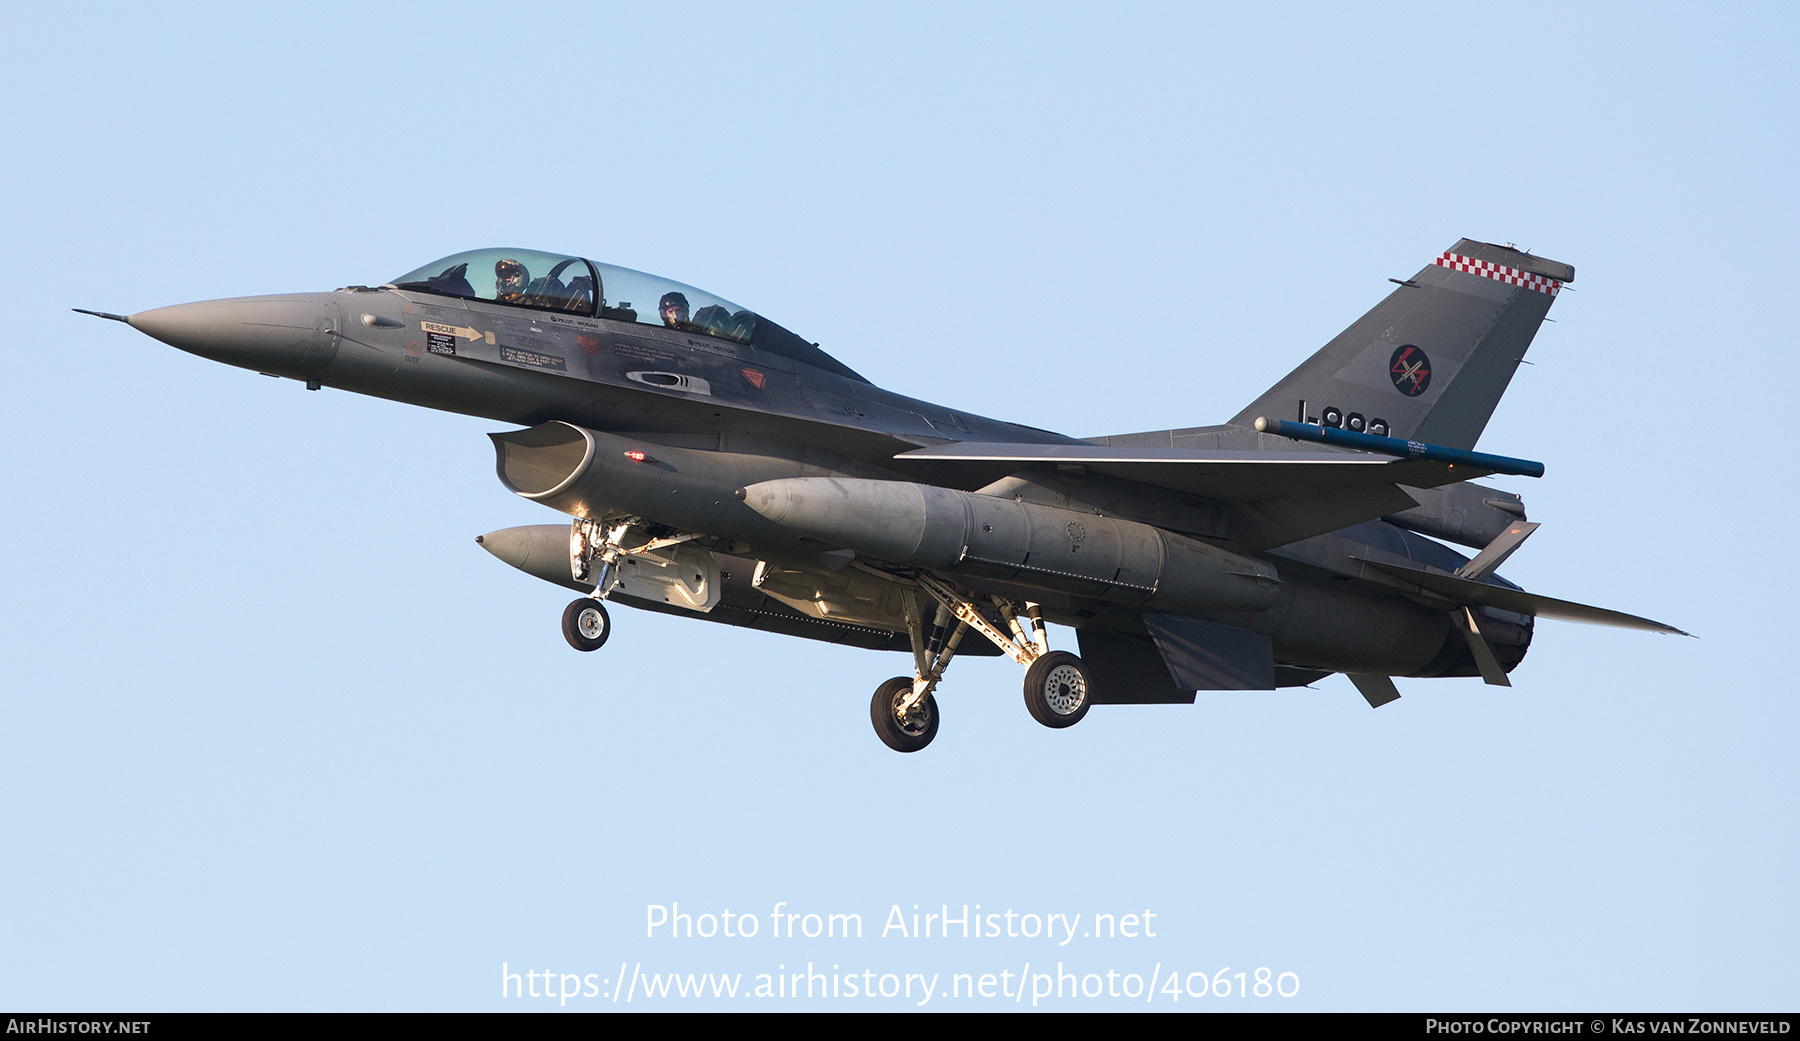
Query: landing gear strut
<point x="1058" y="689"/>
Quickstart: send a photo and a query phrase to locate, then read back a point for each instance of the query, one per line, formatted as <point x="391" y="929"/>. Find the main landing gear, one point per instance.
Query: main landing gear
<point x="903" y="728"/>
<point x="1058" y="689"/>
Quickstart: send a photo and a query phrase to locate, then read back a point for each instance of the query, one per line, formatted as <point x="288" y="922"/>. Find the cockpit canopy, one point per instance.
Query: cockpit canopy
<point x="553" y="282"/>
<point x="521" y="277"/>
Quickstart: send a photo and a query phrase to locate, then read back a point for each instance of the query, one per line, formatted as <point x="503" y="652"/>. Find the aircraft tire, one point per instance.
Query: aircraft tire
<point x="902" y="737"/>
<point x="1058" y="690"/>
<point x="586" y="624"/>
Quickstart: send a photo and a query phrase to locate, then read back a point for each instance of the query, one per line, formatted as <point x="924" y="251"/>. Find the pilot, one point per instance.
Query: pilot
<point x="712" y="319"/>
<point x="510" y="282"/>
<point x="674" y="311"/>
<point x="719" y="321"/>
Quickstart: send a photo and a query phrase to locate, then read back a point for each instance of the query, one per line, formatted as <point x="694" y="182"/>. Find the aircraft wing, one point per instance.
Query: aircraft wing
<point x="1226" y="476"/>
<point x="1269" y="498"/>
<point x="1467" y="591"/>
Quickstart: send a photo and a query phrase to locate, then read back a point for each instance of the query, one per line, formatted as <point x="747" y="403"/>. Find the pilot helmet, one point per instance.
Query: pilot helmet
<point x="511" y="272"/>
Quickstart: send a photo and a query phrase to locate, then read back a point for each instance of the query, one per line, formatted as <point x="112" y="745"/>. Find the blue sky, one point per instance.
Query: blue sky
<point x="276" y="734"/>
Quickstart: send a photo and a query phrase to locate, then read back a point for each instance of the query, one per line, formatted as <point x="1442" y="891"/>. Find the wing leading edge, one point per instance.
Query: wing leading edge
<point x="1227" y="476"/>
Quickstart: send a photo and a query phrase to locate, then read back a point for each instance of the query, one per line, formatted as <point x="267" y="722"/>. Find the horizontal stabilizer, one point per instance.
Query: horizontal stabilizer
<point x="1465" y="591"/>
<point x="1227" y="476"/>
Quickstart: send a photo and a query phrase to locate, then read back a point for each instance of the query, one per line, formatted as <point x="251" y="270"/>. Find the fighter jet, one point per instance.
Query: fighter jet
<point x="719" y="467"/>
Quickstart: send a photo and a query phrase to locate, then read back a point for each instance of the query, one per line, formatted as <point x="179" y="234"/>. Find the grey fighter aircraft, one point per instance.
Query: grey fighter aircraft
<point x="719" y="467"/>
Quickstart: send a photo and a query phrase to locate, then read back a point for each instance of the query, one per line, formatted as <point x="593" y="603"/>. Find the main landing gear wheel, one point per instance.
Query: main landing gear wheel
<point x="585" y="624"/>
<point x="1058" y="690"/>
<point x="908" y="734"/>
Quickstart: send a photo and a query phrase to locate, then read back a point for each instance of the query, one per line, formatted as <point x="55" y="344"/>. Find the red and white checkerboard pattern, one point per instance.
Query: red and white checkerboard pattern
<point x="1512" y="276"/>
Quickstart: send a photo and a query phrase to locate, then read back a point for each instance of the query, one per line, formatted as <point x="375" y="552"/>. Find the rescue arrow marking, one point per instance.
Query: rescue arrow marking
<point x="456" y="330"/>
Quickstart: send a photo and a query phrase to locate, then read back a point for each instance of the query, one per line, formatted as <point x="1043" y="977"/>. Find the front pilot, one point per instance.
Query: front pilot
<point x="510" y="282"/>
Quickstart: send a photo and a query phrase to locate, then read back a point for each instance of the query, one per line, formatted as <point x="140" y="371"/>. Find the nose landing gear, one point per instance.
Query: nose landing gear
<point x="662" y="567"/>
<point x="585" y="623"/>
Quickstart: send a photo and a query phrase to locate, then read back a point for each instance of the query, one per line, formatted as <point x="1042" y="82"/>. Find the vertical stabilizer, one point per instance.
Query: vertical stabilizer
<point x="1431" y="361"/>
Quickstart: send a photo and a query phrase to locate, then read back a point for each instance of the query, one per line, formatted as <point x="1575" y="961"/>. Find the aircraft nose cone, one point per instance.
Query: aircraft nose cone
<point x="293" y="335"/>
<point x="541" y="550"/>
<point x="514" y="545"/>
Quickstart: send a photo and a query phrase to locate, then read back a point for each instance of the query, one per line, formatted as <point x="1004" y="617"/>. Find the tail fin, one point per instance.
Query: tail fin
<point x="1431" y="361"/>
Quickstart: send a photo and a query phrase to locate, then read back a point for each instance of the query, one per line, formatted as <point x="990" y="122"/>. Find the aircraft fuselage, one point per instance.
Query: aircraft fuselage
<point x="736" y="415"/>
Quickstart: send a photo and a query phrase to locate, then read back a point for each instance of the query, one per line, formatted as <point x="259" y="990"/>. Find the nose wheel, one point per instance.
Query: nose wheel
<point x="585" y="624"/>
